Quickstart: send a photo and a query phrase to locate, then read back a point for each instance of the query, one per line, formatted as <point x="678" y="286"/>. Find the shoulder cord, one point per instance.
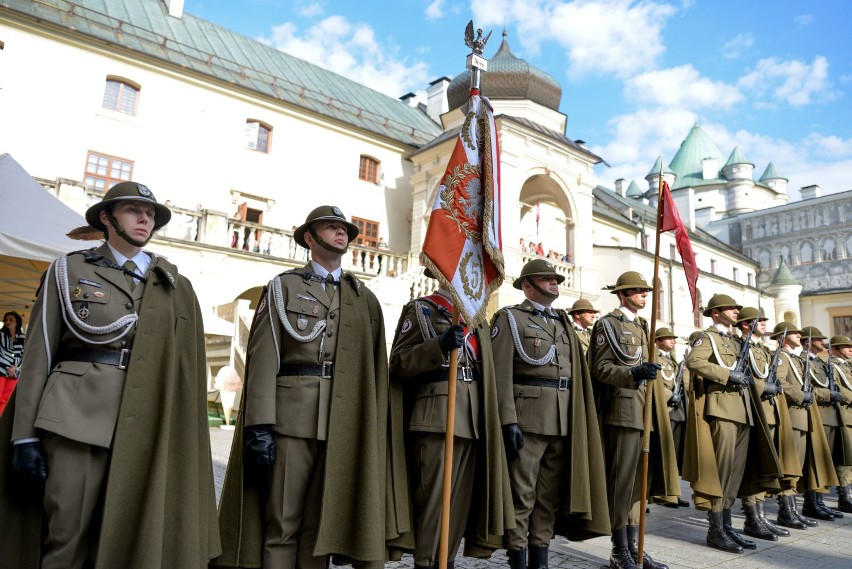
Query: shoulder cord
<point x="672" y="375"/>
<point x="716" y="353"/>
<point x="126" y="322"/>
<point x="278" y="297"/>
<point x="814" y="377"/>
<point x="754" y="370"/>
<point x="623" y="358"/>
<point x="269" y="288"/>
<point x="513" y="327"/>
<point x="843" y="377"/>
<point x="796" y="373"/>
<point x="428" y="330"/>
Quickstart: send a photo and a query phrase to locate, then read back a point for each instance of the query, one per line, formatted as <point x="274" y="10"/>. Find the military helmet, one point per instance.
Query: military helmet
<point x="661" y="333"/>
<point x="781" y="326"/>
<point x="325" y="213"/>
<point x="840" y="340"/>
<point x="128" y="191"/>
<point x="749" y="313"/>
<point x="630" y="279"/>
<point x="721" y="301"/>
<point x="537" y="268"/>
<point x="582" y="305"/>
<point x="812" y="332"/>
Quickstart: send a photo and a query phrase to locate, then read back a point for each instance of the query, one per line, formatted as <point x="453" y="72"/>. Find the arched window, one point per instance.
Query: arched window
<point x="121" y="95"/>
<point x="258" y="135"/>
<point x="699" y="308"/>
<point x="369" y="169"/>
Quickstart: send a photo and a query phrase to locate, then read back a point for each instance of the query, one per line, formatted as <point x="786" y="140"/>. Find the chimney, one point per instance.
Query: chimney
<point x="409" y="99"/>
<point x="710" y="168"/>
<point x="811" y="192"/>
<point x="436" y="94"/>
<point x="175" y="7"/>
<point x="619" y="187"/>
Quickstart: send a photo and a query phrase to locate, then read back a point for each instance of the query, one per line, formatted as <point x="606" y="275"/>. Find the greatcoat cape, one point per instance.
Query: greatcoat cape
<point x="160" y="504"/>
<point x="365" y="500"/>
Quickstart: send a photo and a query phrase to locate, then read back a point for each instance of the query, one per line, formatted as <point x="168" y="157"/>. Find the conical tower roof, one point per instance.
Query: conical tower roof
<point x="783" y="276"/>
<point x="771" y="173"/>
<point x="655" y="169"/>
<point x="633" y="190"/>
<point x="688" y="163"/>
<point x="737" y="157"/>
<point x="508" y="77"/>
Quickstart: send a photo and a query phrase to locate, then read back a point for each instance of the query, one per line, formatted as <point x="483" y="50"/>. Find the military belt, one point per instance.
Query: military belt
<point x="325" y="370"/>
<point x="465" y="373"/>
<point x="117" y="358"/>
<point x="560" y="383"/>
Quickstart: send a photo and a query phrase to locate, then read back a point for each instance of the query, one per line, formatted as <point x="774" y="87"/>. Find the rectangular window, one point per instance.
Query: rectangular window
<point x="843" y="325"/>
<point x="369" y="170"/>
<point x="369" y="232"/>
<point x="736" y="274"/>
<point x="120" y="96"/>
<point x="257" y="136"/>
<point x="713" y="266"/>
<point x="104" y="171"/>
<point x="750" y="279"/>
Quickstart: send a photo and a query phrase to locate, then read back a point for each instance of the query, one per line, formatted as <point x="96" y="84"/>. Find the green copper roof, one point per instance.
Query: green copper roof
<point x="633" y="190"/>
<point x="688" y="162"/>
<point x="192" y="45"/>
<point x="771" y="173"/>
<point x="655" y="169"/>
<point x="783" y="276"/>
<point x="737" y="157"/>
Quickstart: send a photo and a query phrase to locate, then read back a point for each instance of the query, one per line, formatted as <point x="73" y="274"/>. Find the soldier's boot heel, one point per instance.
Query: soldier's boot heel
<point x="733" y="533"/>
<point x="633" y="547"/>
<point x="761" y="513"/>
<point x="844" y="499"/>
<point x="620" y="557"/>
<point x="517" y="558"/>
<point x="717" y="537"/>
<point x="537" y="557"/>
<point x="812" y="509"/>
<point x="832" y="511"/>
<point x="754" y="527"/>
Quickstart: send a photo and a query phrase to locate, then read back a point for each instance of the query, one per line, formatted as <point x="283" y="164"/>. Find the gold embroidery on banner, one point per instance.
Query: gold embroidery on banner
<point x="465" y="131"/>
<point x="461" y="197"/>
<point x="472" y="277"/>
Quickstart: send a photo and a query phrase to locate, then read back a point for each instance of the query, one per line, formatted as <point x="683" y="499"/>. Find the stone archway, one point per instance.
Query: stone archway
<point x="547" y="215"/>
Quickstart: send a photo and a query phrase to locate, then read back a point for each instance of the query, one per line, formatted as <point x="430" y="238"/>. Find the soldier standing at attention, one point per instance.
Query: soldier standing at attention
<point x="841" y="350"/>
<point x="619" y="356"/>
<point x="550" y="427"/>
<point x="813" y="348"/>
<point x="728" y="411"/>
<point x="583" y="315"/>
<point x="419" y="363"/>
<point x="310" y="447"/>
<point x="111" y="408"/>
<point x="665" y="341"/>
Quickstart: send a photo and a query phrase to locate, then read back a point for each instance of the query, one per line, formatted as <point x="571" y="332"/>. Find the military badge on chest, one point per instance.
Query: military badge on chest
<point x="83" y="311"/>
<point x="301" y="322"/>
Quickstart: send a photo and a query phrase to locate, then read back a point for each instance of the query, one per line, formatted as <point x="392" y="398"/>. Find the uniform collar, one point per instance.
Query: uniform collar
<point x="141" y="259"/>
<point x="321" y="271"/>
<point x="629" y="315"/>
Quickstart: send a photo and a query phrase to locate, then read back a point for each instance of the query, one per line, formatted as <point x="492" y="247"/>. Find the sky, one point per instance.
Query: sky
<point x="772" y="77"/>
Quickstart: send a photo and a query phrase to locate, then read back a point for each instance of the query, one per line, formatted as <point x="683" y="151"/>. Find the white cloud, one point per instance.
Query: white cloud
<point x="829" y="145"/>
<point x="804" y="19"/>
<point x="737" y="44"/>
<point x="435" y="10"/>
<point x="351" y="49"/>
<point x="310" y="9"/>
<point x="683" y="87"/>
<point x="794" y="82"/>
<point x="617" y="37"/>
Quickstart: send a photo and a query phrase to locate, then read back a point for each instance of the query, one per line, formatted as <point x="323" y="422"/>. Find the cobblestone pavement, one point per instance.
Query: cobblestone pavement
<point x="673" y="536"/>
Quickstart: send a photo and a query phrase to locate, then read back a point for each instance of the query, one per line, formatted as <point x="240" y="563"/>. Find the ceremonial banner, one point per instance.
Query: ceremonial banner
<point x="463" y="244"/>
<point x="670" y="220"/>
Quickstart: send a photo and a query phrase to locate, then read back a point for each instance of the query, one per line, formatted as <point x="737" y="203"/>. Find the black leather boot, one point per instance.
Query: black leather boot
<point x="832" y="511"/>
<point x="844" y="499"/>
<point x="717" y="537"/>
<point x="761" y="513"/>
<point x="620" y="557"/>
<point x="517" y="558"/>
<point x="537" y="557"/>
<point x="754" y="527"/>
<point x="787" y="514"/>
<point x="812" y="509"/>
<point x="633" y="547"/>
<point x="682" y="503"/>
<point x="734" y="534"/>
<point x="804" y="519"/>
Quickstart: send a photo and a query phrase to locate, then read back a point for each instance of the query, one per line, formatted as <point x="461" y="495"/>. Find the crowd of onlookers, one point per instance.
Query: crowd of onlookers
<point x="537" y="249"/>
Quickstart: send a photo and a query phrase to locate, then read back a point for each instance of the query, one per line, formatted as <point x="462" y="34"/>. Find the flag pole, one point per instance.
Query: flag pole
<point x="649" y="386"/>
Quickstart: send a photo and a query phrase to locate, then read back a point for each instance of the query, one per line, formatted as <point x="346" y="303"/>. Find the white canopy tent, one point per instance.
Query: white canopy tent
<point x="33" y="224"/>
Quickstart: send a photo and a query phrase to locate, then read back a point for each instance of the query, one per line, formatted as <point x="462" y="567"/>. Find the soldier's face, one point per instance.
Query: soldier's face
<point x="728" y="315"/>
<point x="666" y="344"/>
<point x="845" y="351"/>
<point x="634" y="298"/>
<point x="332" y="232"/>
<point x="817" y="345"/>
<point x="584" y="319"/>
<point x="136" y="218"/>
<point x="548" y="284"/>
<point x="794" y="339"/>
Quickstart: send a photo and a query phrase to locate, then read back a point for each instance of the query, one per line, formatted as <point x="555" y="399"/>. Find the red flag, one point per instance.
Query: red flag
<point x="463" y="242"/>
<point x="670" y="220"/>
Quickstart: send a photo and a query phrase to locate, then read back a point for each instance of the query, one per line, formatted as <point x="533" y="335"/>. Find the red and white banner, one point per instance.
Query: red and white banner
<point x="463" y="245"/>
<point x="670" y="220"/>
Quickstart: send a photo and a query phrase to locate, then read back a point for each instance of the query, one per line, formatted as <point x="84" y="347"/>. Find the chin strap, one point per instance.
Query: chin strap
<point x="545" y="293"/>
<point x="327" y="246"/>
<point x="119" y="230"/>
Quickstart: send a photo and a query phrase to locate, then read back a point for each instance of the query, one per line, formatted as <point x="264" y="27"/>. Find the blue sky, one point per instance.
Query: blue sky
<point x="772" y="77"/>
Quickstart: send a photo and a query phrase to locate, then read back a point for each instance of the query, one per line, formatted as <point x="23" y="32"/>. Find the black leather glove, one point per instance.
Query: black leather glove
<point x="645" y="372"/>
<point x="675" y="400"/>
<point x="807" y="398"/>
<point x="513" y="439"/>
<point x="451" y="339"/>
<point x="738" y="378"/>
<point x="835" y="396"/>
<point x="771" y="389"/>
<point x="259" y="446"/>
<point x="29" y="461"/>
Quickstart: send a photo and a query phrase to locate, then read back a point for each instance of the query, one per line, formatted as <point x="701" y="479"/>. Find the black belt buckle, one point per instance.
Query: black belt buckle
<point x="466" y="374"/>
<point x="123" y="359"/>
<point x="327" y="370"/>
<point x="564" y="383"/>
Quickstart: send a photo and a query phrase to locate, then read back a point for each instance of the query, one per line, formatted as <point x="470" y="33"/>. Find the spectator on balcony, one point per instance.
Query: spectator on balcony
<point x="381" y="246"/>
<point x="539" y="250"/>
